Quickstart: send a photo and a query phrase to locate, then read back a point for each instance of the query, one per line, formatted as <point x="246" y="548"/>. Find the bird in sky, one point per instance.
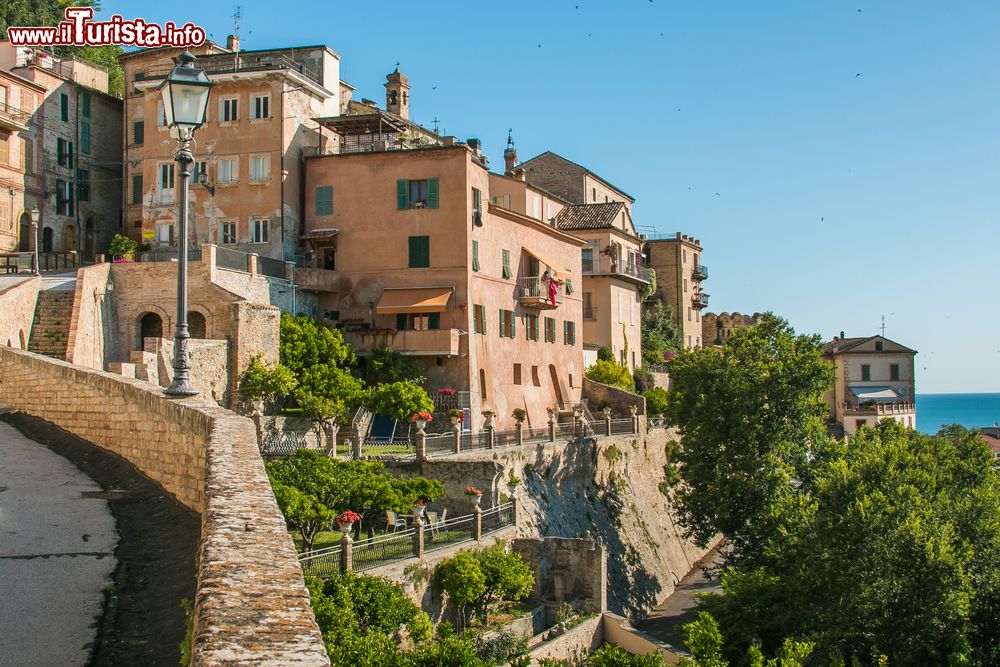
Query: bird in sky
<point x="717" y="194"/>
<point x="857" y="75"/>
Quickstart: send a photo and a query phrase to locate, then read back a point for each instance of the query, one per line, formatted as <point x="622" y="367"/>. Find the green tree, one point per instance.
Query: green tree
<point x="506" y="577"/>
<point x="262" y="383"/>
<point x="660" y="333"/>
<point x="605" y="353"/>
<point x="656" y="401"/>
<point x="749" y="418"/>
<point x="304" y="513"/>
<point x="612" y="655"/>
<point x="387" y="365"/>
<point x="304" y="344"/>
<point x="611" y="373"/>
<point x="400" y="400"/>
<point x="463" y="580"/>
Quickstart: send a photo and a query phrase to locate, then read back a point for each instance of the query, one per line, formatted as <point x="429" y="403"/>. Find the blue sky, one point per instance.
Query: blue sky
<point x="855" y="153"/>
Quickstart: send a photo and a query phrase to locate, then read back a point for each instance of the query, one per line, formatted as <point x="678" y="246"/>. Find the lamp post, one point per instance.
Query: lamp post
<point x="36" y="215"/>
<point x="185" y="101"/>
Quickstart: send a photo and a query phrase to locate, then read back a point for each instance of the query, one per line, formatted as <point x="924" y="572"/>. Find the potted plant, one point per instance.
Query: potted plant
<point x="421" y="419"/>
<point x="607" y="412"/>
<point x="512" y="483"/>
<point x="346" y="521"/>
<point x="488" y="416"/>
<point x="419" y="507"/>
<point x="520" y="414"/>
<point x="475" y="495"/>
<point x="552" y="413"/>
<point x="634" y="409"/>
<point x="457" y="416"/>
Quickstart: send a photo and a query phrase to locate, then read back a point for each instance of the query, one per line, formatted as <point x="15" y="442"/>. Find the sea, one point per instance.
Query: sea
<point x="969" y="410"/>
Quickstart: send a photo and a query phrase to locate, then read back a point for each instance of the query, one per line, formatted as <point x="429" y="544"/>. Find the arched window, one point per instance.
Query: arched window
<point x="47" y="239"/>
<point x="150" y="326"/>
<point x="197" y="327"/>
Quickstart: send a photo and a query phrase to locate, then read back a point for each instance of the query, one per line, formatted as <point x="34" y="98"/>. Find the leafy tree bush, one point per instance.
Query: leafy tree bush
<point x="122" y="245"/>
<point x="660" y="334"/>
<point x="304" y="343"/>
<point x="605" y="353"/>
<point x="262" y="383"/>
<point x="399" y="400"/>
<point x="611" y="373"/>
<point x="485" y="579"/>
<point x="304" y="513"/>
<point x="501" y="648"/>
<point x="642" y="379"/>
<point x="611" y="655"/>
<point x="656" y="401"/>
<point x="750" y="415"/>
<point x="386" y="365"/>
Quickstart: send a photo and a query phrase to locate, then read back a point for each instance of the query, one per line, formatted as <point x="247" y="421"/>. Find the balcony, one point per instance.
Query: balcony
<point x="228" y="63"/>
<point x="12" y="118"/>
<point x="412" y="343"/>
<point x="699" y="300"/>
<point x="316" y="280"/>
<point x="533" y="292"/>
<point x="879" y="409"/>
<point x="609" y="266"/>
<point x="700" y="272"/>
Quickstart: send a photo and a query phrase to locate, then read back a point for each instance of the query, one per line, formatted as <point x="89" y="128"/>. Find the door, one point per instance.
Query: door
<point x="24" y="237"/>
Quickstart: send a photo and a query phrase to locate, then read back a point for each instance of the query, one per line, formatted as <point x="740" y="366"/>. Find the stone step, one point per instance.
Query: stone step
<point x="122" y="368"/>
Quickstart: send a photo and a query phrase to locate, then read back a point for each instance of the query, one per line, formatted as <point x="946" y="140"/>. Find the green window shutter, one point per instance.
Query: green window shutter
<point x="402" y="188"/>
<point x="506" y="264"/>
<point x="420" y="252"/>
<point x="475" y="255"/>
<point x="569" y="286"/>
<point x="400" y="321"/>
<point x="500" y="318"/>
<point x="324" y="200"/>
<point x="85" y="105"/>
<point x="434" y="321"/>
<point x="565" y="331"/>
<point x="513" y="323"/>
<point x="85" y="138"/>
<point x="60" y="152"/>
<point x="138" y="132"/>
<point x="137" y="189"/>
<point x="432" y="193"/>
<point x="64" y="106"/>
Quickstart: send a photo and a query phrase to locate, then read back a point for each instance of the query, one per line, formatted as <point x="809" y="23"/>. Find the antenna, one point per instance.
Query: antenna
<point x="237" y="15"/>
<point x="435" y="121"/>
<point x="883" y="326"/>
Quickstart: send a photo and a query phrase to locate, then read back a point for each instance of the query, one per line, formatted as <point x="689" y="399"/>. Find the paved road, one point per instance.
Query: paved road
<point x="664" y="623"/>
<point x="56" y="555"/>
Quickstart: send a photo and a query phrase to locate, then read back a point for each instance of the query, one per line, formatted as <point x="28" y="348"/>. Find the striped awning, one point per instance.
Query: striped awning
<point x="416" y="300"/>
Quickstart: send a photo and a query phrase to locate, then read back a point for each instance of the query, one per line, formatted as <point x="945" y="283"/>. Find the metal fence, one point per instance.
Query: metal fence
<point x="438" y="445"/>
<point x="227" y="258"/>
<point x="193" y="255"/>
<point x="622" y="426"/>
<point x="565" y="429"/>
<point x="505" y="437"/>
<point x="388" y="448"/>
<point x="382" y="549"/>
<point x="450" y="532"/>
<point x="475" y="440"/>
<point x="275" y="268"/>
<point x="498" y="517"/>
<point x="322" y="562"/>
<point x="274" y="445"/>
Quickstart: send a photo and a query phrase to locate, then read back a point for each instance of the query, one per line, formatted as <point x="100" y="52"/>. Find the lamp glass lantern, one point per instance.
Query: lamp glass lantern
<point x="185" y="94"/>
<point x="35" y="215"/>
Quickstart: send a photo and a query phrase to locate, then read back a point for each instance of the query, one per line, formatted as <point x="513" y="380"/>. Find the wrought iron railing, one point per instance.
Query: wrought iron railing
<point x="322" y="562"/>
<point x="275" y="268"/>
<point x="235" y="260"/>
<point x="253" y="62"/>
<point x="382" y="549"/>
<point x="622" y="426"/>
<point x="613" y="266"/>
<point x="450" y="532"/>
<point x="394" y="448"/>
<point x="497" y="518"/>
<point x="442" y="443"/>
<point x="274" y="445"/>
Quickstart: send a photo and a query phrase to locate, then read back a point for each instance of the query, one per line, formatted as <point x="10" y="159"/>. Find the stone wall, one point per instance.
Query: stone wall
<point x="617" y="630"/>
<point x="567" y="569"/>
<point x="17" y="303"/>
<point x="620" y="401"/>
<point x="608" y="486"/>
<point x="208" y="361"/>
<point x="574" y="645"/>
<point x="256" y="331"/>
<point x="251" y="605"/>
<point x="92" y="331"/>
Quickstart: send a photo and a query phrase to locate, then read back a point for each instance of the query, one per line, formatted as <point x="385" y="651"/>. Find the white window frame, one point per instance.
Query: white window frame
<point x="255" y="104"/>
<point x="257" y="225"/>
<point x="224" y="108"/>
<point x="265" y="160"/>
<point x="225" y="239"/>
<point x="161" y="115"/>
<point x="165" y="232"/>
<point x="164" y="191"/>
<point x="235" y="171"/>
<point x="536" y="207"/>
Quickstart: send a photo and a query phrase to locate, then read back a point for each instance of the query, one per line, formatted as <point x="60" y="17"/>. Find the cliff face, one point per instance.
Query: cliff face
<point x="608" y="486"/>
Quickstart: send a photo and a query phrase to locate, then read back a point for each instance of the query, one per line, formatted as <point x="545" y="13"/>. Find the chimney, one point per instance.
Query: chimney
<point x="475" y="145"/>
<point x="233" y="43"/>
<point x="841" y="335"/>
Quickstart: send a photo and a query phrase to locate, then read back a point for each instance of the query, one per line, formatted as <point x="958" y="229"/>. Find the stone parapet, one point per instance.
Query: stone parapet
<point x="251" y="606"/>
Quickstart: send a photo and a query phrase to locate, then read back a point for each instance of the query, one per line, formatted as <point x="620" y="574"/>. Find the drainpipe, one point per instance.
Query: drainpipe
<point x="73" y="175"/>
<point x="281" y="174"/>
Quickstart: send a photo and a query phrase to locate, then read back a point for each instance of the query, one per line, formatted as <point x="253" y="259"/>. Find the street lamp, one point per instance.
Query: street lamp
<point x="36" y="215"/>
<point x="185" y="102"/>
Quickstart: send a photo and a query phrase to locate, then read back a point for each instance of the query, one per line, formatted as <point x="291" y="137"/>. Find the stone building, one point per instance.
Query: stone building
<point x="874" y="380"/>
<point x="484" y="297"/>
<point x="74" y="143"/>
<point x="679" y="274"/>
<point x="716" y="329"/>
<point x="246" y="192"/>
<point x="21" y="180"/>
<point x="614" y="271"/>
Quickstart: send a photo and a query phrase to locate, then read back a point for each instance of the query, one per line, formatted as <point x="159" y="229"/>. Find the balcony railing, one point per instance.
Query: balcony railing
<point x="414" y="343"/>
<point x="700" y="300"/>
<point x="880" y="408"/>
<point x="700" y="272"/>
<point x="13" y="118"/>
<point x="316" y="280"/>
<point x="227" y="63"/>
<point x="534" y="292"/>
<point x="610" y="266"/>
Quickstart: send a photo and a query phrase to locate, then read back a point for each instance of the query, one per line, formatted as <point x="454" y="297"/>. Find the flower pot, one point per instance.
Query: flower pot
<point x="345" y="528"/>
<point x="418" y="511"/>
<point x="421" y="423"/>
<point x="258" y="406"/>
<point x="455" y="421"/>
<point x="476" y="499"/>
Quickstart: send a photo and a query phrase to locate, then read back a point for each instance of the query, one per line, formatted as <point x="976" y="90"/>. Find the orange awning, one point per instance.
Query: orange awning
<point x="419" y="300"/>
<point x="559" y="270"/>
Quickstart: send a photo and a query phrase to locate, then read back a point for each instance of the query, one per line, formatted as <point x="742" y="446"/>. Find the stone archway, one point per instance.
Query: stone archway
<point x="69" y="237"/>
<point x="150" y="325"/>
<point x="197" y="325"/>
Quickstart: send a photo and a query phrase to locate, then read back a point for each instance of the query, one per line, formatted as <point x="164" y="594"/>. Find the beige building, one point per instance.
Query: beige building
<point x="248" y="155"/>
<point x="21" y="180"/>
<point x="69" y="153"/>
<point x="483" y="296"/>
<point x="614" y="271"/>
<point x="679" y="274"/>
<point x="875" y="380"/>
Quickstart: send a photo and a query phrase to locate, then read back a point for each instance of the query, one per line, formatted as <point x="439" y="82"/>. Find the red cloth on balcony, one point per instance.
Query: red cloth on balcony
<point x="554" y="285"/>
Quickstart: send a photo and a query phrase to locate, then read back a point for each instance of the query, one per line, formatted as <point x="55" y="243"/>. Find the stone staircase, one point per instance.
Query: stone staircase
<point x="50" y="329"/>
<point x="143" y="366"/>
